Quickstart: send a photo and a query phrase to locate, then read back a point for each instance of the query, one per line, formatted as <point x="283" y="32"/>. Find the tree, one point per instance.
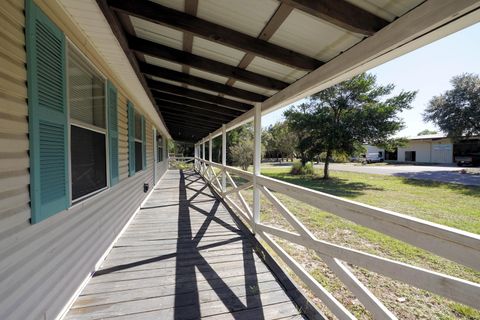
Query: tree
<point x="457" y="111"/>
<point x="242" y="153"/>
<point x="279" y="140"/>
<point x="347" y="114"/>
<point x="234" y="137"/>
<point x="426" y="131"/>
<point x="242" y="147"/>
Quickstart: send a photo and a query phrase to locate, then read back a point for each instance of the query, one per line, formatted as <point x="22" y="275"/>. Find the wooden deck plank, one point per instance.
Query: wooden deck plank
<point x="183" y="257"/>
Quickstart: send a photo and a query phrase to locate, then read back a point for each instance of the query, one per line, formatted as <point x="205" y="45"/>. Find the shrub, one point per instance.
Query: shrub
<point x="308" y="169"/>
<point x="298" y="169"/>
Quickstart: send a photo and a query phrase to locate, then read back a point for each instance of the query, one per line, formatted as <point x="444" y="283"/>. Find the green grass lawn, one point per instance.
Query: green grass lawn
<point x="449" y="204"/>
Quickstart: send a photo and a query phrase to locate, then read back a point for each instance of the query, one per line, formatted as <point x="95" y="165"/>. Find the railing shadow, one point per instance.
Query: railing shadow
<point x="190" y="262"/>
<point x="222" y="290"/>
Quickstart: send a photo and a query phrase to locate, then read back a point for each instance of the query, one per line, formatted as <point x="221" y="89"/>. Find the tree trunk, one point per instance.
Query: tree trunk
<point x="326" y="174"/>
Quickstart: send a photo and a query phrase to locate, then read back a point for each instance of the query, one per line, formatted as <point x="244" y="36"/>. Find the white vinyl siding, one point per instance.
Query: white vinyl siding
<point x="42" y="265"/>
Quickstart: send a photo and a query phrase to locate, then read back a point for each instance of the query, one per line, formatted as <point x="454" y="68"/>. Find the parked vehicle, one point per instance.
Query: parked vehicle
<point x="372" y="158"/>
<point x="472" y="159"/>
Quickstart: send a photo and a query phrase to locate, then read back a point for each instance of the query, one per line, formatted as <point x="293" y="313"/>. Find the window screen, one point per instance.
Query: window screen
<point x="138" y="156"/>
<point x="159" y="148"/>
<point x="86" y="100"/>
<point x="138" y="126"/>
<point x="86" y="91"/>
<point x="88" y="161"/>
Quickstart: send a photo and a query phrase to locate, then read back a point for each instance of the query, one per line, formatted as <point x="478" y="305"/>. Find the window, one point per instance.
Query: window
<point x="159" y="148"/>
<point x="410" y="156"/>
<point x="86" y="101"/>
<point x="138" y="142"/>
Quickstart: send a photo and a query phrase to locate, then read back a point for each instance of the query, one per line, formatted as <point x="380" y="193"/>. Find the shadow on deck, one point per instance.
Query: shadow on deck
<point x="183" y="257"/>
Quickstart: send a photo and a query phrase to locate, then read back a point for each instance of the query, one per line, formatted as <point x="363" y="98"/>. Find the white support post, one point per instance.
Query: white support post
<point x="257" y="130"/>
<point x="195" y="155"/>
<point x="210" y="148"/>
<point x="203" y="151"/>
<point x="224" y="157"/>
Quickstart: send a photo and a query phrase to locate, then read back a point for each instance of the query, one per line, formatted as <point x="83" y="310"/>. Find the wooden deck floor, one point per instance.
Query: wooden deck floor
<point x="183" y="257"/>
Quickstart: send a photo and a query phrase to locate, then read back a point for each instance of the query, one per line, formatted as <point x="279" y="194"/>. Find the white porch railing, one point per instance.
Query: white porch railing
<point x="456" y="245"/>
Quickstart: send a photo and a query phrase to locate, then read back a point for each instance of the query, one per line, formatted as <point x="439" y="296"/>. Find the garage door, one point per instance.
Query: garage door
<point x="442" y="153"/>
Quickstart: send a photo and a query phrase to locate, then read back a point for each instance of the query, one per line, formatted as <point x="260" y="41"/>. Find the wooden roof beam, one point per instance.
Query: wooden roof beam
<point x="197" y="95"/>
<point x="161" y="96"/>
<point x="176" y="113"/>
<point x="159" y="14"/>
<point x="172" y="75"/>
<point x="188" y="59"/>
<point x="342" y="14"/>
<point x="172" y="122"/>
<point x="167" y="105"/>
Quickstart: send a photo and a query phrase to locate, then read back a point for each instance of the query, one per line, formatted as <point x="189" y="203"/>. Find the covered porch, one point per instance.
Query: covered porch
<point x="190" y="71"/>
<point x="185" y="256"/>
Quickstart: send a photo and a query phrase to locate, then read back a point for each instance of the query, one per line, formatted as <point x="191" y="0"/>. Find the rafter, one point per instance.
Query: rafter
<point x="190" y="125"/>
<point x="172" y="122"/>
<point x="172" y="75"/>
<point x="167" y="105"/>
<point x="276" y="20"/>
<point x="159" y="14"/>
<point x="185" y="58"/>
<point x="191" y="117"/>
<point x="191" y="7"/>
<point x="196" y="104"/>
<point x="341" y="13"/>
<point x="119" y="33"/>
<point x="197" y="95"/>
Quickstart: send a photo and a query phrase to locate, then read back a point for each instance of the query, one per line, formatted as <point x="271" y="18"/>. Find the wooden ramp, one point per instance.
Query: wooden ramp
<point x="183" y="257"/>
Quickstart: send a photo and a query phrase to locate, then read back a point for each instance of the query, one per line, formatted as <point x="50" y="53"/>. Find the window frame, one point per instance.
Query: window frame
<point x="80" y="124"/>
<point x="160" y="146"/>
<point x="138" y="140"/>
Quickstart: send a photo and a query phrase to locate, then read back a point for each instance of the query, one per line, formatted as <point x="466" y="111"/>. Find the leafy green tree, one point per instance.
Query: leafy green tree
<point x="242" y="153"/>
<point x="353" y="112"/>
<point x="457" y="111"/>
<point x="279" y="140"/>
<point x="234" y="137"/>
<point x="241" y="146"/>
<point x="300" y="122"/>
<point x="426" y="131"/>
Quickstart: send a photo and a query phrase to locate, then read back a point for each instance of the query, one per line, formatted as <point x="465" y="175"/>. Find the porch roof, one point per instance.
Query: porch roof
<point x="204" y="63"/>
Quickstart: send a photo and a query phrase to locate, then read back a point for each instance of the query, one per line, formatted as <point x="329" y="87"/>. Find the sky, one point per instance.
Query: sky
<point x="427" y="70"/>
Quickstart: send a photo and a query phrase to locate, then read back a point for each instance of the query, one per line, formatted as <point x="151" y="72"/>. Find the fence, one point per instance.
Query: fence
<point x="456" y="245"/>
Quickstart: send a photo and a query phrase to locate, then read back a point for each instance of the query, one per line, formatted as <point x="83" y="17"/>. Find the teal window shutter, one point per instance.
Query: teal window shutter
<point x="47" y="114"/>
<point x="131" y="139"/>
<point x="112" y="132"/>
<point x="144" y="145"/>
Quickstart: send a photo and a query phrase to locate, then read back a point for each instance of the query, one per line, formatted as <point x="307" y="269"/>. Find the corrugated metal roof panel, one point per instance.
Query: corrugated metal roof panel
<point x="163" y="63"/>
<point x="387" y="9"/>
<point x="178" y="5"/>
<point x="237" y="99"/>
<point x="208" y="75"/>
<point x="165" y="80"/>
<point x="252" y="88"/>
<point x="246" y="16"/>
<point x="216" y="51"/>
<point x="157" y="33"/>
<point x="275" y="70"/>
<point x="203" y="90"/>
<point x="313" y="37"/>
